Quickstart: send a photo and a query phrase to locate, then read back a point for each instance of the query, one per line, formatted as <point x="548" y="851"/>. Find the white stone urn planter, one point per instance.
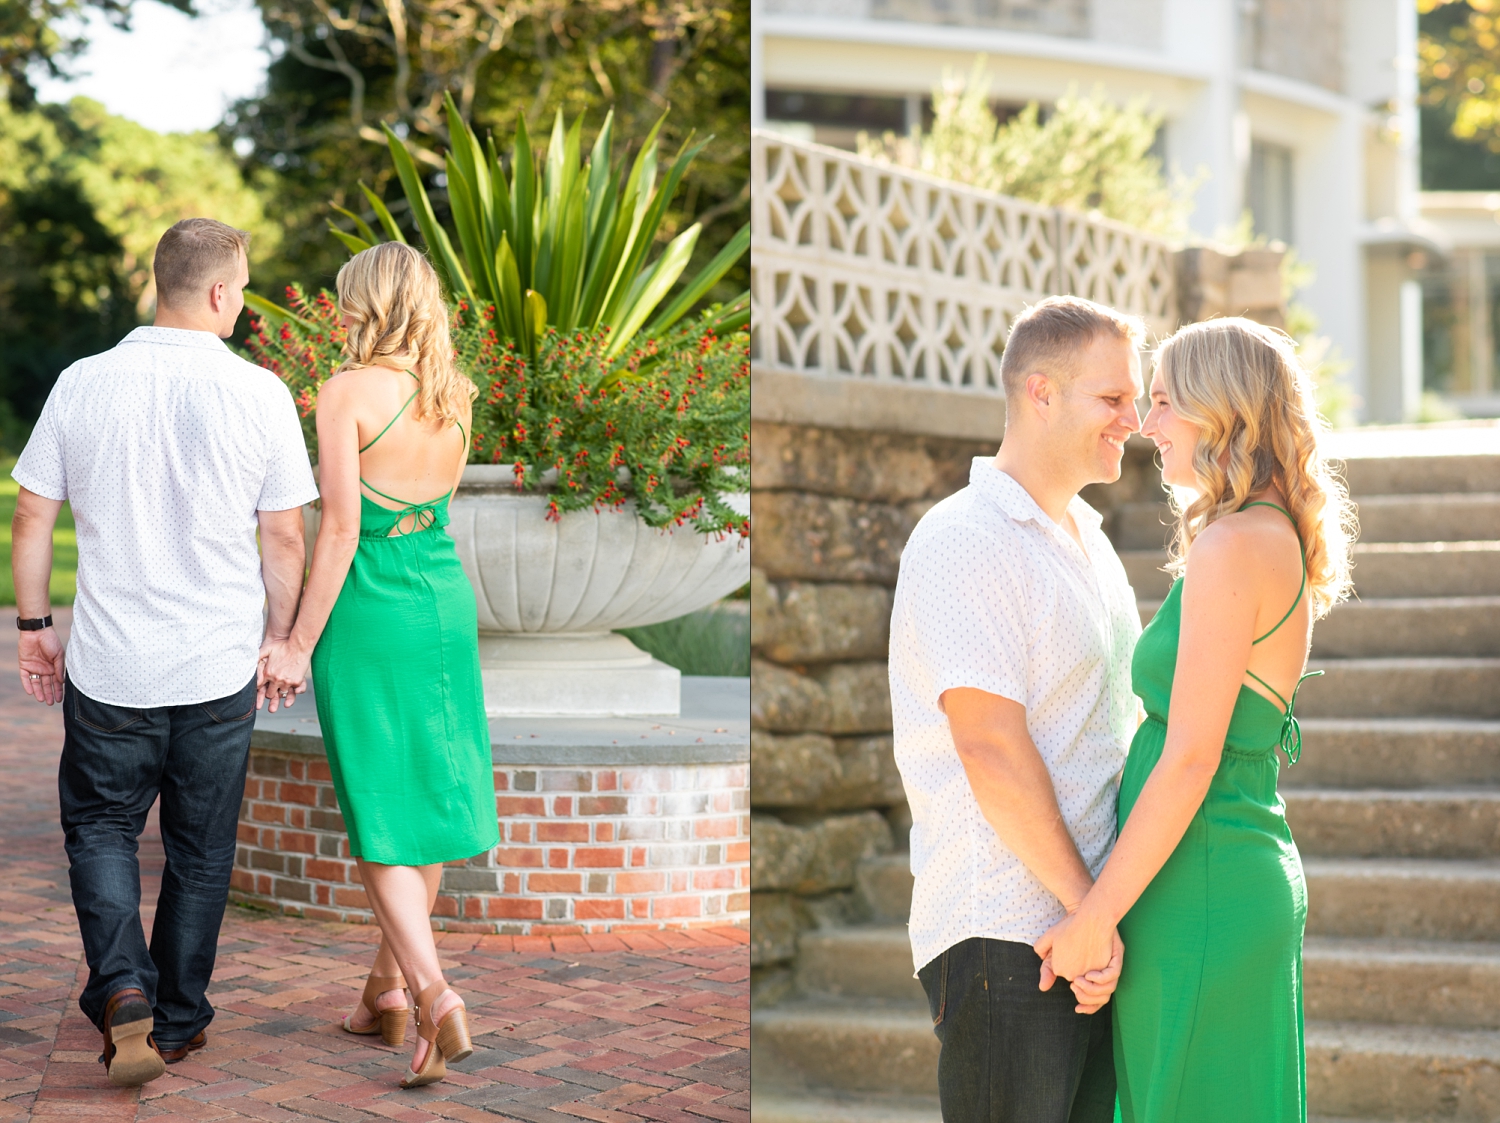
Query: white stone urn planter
<point x="550" y="594"/>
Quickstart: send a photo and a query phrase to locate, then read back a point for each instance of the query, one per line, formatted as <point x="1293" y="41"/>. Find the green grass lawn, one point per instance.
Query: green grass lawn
<point x="64" y="545"/>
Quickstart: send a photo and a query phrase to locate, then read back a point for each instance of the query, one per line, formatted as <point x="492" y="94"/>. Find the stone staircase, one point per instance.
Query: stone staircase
<point x="1395" y="807"/>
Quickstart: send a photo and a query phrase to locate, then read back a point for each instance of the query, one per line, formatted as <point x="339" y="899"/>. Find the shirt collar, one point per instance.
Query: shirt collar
<point x="176" y="337"/>
<point x="1006" y="492"/>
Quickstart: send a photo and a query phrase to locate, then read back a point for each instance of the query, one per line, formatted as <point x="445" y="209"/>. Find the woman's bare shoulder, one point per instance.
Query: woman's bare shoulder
<point x="1242" y="545"/>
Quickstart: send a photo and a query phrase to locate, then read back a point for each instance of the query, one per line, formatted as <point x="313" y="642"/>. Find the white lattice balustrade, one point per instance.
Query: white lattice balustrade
<point x="865" y="270"/>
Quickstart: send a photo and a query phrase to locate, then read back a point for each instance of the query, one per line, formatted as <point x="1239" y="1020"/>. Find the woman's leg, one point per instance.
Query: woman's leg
<point x="402" y="898"/>
<point x="385" y="964"/>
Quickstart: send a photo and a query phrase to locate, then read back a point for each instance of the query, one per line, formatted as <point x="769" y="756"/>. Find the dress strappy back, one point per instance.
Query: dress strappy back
<point x="1291" y="729"/>
<point x="423" y="515"/>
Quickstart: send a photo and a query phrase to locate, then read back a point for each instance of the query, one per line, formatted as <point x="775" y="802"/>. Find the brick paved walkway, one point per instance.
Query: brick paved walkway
<point x="614" y="1029"/>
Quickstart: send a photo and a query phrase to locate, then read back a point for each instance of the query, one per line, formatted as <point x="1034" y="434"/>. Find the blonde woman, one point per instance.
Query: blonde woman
<point x="1205" y="883"/>
<point x="388" y="622"/>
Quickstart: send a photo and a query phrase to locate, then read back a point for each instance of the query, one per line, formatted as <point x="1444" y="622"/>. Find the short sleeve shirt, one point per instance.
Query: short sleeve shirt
<point x="996" y="596"/>
<point x="166" y="447"/>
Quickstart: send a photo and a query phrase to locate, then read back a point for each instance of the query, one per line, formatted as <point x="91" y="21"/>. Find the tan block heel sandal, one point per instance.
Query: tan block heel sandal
<point x="390" y="1024"/>
<point x="447" y="1040"/>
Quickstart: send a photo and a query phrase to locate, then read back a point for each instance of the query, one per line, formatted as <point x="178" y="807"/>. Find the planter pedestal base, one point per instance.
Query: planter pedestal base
<point x="574" y="673"/>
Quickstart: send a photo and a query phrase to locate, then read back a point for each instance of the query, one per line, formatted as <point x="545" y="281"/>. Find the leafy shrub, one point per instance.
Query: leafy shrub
<point x="667" y="426"/>
<point x="1089" y="154"/>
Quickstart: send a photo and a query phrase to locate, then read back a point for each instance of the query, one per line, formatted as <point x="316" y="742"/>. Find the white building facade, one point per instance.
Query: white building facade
<point x="1301" y="111"/>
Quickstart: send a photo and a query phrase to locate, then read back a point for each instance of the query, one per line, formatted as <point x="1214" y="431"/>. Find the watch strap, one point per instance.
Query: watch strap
<point x="34" y="623"/>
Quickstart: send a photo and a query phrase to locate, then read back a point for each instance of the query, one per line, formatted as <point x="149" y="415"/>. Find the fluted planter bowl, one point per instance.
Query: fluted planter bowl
<point x="551" y="592"/>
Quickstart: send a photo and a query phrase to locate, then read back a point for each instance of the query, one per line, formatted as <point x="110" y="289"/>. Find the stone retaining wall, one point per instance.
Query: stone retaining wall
<point x="585" y="848"/>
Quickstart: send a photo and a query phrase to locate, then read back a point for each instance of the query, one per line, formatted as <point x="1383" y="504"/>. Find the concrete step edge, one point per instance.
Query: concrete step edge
<point x="1413" y="724"/>
<point x="768" y="1105"/>
<point x="1476" y="794"/>
<point x="1440" y="869"/>
<point x="1404" y="1040"/>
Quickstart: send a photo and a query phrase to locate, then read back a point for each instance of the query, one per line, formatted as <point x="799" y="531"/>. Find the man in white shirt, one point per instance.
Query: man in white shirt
<point x="1011" y="635"/>
<point x="173" y="452"/>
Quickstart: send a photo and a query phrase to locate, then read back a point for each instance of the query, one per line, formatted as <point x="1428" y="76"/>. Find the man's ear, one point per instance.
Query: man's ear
<point x="216" y="294"/>
<point x="1040" y="390"/>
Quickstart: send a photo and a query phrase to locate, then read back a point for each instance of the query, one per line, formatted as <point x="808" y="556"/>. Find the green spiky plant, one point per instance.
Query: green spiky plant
<point x="560" y="241"/>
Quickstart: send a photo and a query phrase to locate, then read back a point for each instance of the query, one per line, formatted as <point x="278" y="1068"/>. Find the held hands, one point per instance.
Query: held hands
<point x="1086" y="950"/>
<point x="281" y="674"/>
<point x="41" y="665"/>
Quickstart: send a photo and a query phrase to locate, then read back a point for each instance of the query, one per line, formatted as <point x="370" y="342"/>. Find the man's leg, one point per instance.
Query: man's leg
<point x="202" y="787"/>
<point x="1010" y="1053"/>
<point x="106" y="782"/>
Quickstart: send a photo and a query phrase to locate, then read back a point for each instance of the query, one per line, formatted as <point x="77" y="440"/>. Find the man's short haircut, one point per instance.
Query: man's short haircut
<point x="1047" y="337"/>
<point x="193" y="255"/>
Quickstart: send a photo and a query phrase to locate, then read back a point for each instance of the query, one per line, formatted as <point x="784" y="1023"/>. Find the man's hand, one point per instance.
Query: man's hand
<point x="1082" y="949"/>
<point x="281" y="674"/>
<point x="42" y="665"/>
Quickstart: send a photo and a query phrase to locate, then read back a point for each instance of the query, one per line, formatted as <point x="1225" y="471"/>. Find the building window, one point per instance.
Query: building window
<point x="1268" y="190"/>
<point x="1461" y="328"/>
<point x="837" y="118"/>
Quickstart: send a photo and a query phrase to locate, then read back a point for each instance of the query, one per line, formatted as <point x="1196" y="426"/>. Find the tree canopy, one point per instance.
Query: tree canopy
<point x="343" y="71"/>
<point x="84" y="196"/>
<point x="1459" y="66"/>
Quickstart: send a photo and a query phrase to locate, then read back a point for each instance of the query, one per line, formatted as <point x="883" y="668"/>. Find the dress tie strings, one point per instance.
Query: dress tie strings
<point x="1291" y="729"/>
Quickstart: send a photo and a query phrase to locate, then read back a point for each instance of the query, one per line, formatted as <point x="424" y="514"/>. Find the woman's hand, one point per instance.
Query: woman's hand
<point x="282" y="673"/>
<point x="1079" y="944"/>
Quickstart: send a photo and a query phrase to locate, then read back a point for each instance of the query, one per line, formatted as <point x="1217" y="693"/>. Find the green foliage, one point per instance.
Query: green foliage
<point x="562" y="241"/>
<point x="64" y="544"/>
<point x="1089" y="154"/>
<point x="84" y="196"/>
<point x="713" y="641"/>
<point x="666" y="426"/>
<point x="1458" y="57"/>
<point x="343" y="71"/>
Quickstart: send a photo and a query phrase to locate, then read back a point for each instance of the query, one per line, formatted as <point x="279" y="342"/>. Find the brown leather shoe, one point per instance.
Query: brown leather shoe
<point x="130" y="1054"/>
<point x="172" y="1056"/>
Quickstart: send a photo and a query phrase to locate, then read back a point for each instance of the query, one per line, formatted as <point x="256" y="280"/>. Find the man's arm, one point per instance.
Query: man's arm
<point x="41" y="653"/>
<point x="1014" y="789"/>
<point x="283" y="561"/>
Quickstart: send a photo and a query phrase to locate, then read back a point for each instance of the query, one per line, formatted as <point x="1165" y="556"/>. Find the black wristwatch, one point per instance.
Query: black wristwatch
<point x="34" y="624"/>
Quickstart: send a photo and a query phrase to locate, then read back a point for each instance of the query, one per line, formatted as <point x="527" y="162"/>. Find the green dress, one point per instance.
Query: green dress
<point x="1208" y="1013"/>
<point x="399" y="695"/>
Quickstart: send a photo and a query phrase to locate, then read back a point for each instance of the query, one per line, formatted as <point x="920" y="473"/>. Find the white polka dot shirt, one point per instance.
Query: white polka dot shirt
<point x="996" y="596"/>
<point x="167" y="446"/>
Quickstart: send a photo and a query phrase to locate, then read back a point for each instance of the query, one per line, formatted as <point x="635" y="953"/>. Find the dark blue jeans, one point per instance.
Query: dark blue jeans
<point x="115" y="762"/>
<point x="1012" y="1053"/>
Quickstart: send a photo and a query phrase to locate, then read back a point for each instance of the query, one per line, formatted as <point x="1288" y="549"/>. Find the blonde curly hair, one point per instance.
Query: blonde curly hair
<point x="1243" y="386"/>
<point x="394" y="301"/>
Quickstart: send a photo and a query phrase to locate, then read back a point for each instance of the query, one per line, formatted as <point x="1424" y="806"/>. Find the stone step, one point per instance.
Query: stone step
<point x="1381" y="569"/>
<point x="1442" y="517"/>
<point x="1403" y="687"/>
<point x="1390" y="982"/>
<point x="1421" y="982"/>
<point x="868" y="961"/>
<point x="1403" y="898"/>
<point x="1398" y="898"/>
<point x="1420" y="475"/>
<point x="841" y="1107"/>
<point x="1395" y="753"/>
<point x="1417" y="626"/>
<point x="1404" y="1071"/>
<point x="1426" y="569"/>
<point x="1374" y="823"/>
<point x="860" y="1047"/>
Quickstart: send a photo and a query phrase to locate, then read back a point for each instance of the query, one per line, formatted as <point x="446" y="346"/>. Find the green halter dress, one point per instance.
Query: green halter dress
<point x="1208" y="1014"/>
<point x="399" y="694"/>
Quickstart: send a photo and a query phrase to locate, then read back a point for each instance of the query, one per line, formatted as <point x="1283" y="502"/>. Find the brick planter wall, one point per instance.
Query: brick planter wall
<point x="585" y="847"/>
